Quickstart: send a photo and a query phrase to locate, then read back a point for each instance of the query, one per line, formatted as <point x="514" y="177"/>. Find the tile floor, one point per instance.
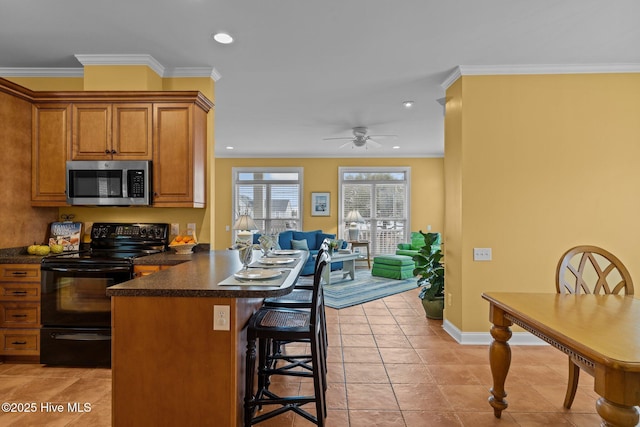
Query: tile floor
<point x="388" y="366"/>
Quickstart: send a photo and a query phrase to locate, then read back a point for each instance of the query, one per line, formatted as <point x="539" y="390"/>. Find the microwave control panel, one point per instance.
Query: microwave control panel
<point x="136" y="183"/>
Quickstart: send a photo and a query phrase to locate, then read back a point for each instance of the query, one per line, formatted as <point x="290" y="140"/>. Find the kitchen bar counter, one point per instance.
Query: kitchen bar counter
<point x="199" y="277"/>
<point x="179" y="340"/>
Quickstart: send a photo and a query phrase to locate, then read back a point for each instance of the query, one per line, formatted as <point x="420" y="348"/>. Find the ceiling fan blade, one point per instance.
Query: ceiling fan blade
<point x="374" y="143"/>
<point x="344" y="145"/>
<point x="383" y="136"/>
<point x="343" y="137"/>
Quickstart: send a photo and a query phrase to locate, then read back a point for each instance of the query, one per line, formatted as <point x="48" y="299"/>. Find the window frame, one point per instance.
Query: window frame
<point x="342" y="229"/>
<point x="235" y="181"/>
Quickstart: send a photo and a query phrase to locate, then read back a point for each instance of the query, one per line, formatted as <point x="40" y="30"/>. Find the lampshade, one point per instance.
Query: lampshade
<point x="354" y="216"/>
<point x="245" y="222"/>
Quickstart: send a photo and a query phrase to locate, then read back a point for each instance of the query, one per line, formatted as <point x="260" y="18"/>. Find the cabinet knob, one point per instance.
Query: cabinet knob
<point x="107" y="152"/>
<point x="113" y="151"/>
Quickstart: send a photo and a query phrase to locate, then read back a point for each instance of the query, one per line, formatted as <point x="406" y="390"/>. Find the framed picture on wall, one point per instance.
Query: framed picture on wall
<point x="320" y="204"/>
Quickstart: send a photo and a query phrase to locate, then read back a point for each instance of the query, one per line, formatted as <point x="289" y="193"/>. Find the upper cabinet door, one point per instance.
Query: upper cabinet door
<point x="91" y="132"/>
<point x="51" y="139"/>
<point x="132" y="127"/>
<point x="112" y="131"/>
<point x="179" y="145"/>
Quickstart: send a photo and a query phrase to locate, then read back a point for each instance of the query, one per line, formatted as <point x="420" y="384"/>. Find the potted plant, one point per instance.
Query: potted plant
<point x="431" y="276"/>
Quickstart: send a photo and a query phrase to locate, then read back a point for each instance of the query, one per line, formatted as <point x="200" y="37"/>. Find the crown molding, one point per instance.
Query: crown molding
<point x="41" y="72"/>
<point x="212" y="73"/>
<point x="125" y="59"/>
<point x="147" y="60"/>
<point x="487" y="70"/>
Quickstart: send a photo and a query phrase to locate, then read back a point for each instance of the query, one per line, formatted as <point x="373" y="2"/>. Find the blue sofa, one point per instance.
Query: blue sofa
<point x="314" y="240"/>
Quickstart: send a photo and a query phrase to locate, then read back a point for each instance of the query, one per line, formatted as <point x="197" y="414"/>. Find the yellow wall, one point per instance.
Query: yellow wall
<point x="49" y="83"/>
<point x="121" y="77"/>
<point x="546" y="162"/>
<point x="321" y="175"/>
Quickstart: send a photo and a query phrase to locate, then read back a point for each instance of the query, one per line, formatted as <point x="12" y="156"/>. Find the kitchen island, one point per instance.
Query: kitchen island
<point x="169" y="365"/>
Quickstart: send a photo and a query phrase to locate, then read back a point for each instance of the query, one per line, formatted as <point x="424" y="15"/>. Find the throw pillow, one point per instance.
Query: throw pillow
<point x="309" y="236"/>
<point x="300" y="244"/>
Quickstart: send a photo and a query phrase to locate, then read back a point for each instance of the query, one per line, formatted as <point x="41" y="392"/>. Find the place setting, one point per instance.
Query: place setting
<point x="266" y="271"/>
<point x="274" y="262"/>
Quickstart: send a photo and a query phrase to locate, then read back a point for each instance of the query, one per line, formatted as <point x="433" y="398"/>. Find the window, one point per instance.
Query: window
<point x="272" y="196"/>
<point x="381" y="197"/>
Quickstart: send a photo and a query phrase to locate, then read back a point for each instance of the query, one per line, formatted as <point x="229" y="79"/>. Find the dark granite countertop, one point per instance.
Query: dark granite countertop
<point x="200" y="277"/>
<point x="18" y="256"/>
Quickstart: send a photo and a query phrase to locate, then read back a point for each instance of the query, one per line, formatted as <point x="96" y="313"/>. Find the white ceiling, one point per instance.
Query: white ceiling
<point x="303" y="70"/>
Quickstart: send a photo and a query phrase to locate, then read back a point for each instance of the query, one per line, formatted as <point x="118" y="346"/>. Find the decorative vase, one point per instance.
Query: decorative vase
<point x="434" y="308"/>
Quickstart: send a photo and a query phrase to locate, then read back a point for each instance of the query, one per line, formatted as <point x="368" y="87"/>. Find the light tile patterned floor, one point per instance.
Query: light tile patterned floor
<point x="388" y="366"/>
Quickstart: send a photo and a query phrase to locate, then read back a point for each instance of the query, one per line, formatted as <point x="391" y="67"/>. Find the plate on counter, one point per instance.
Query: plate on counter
<point x="286" y="251"/>
<point x="275" y="261"/>
<point x="257" y="274"/>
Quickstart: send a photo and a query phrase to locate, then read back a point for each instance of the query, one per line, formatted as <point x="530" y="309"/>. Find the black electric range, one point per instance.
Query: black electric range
<point x="75" y="311"/>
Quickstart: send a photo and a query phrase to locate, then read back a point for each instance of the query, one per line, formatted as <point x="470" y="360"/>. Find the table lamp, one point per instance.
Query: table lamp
<point x="353" y="218"/>
<point x="244" y="224"/>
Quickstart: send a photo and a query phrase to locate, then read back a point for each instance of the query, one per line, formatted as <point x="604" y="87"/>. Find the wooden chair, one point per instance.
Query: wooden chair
<point x="589" y="270"/>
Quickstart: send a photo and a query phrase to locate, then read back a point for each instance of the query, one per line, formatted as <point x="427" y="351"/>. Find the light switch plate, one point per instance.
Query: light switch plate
<point x="482" y="254"/>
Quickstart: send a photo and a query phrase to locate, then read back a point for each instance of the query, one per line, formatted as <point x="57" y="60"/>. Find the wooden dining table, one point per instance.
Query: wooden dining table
<point x="602" y="331"/>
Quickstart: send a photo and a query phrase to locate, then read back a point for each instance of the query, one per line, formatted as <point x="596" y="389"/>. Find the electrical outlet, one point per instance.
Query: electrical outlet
<point x="449" y="299"/>
<point x="482" y="254"/>
<point x="221" y="318"/>
<point x="175" y="229"/>
<point x="191" y="226"/>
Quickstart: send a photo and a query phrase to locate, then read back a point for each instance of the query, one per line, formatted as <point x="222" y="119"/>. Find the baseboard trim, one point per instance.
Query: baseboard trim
<point x="484" y="338"/>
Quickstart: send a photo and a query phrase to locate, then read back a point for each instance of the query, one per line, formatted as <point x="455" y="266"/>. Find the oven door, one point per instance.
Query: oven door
<point x="75" y="296"/>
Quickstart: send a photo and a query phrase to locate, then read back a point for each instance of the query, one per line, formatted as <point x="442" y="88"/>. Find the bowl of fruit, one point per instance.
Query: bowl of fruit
<point x="183" y="244"/>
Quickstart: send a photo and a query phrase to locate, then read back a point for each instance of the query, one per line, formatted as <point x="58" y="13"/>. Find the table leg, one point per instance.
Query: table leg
<point x="614" y="415"/>
<point x="500" y="360"/>
<point x="326" y="274"/>
<point x="349" y="267"/>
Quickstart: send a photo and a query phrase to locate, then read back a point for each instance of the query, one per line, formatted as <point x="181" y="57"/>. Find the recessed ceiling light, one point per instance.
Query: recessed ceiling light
<point x="228" y="147"/>
<point x="407" y="104"/>
<point x="395" y="147"/>
<point x="222" y="38"/>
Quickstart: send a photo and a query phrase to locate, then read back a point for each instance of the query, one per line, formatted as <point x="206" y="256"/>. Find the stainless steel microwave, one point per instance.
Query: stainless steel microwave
<point x="109" y="182"/>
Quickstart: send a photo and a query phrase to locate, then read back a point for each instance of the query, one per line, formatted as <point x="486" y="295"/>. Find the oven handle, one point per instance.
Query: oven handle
<point x="81" y="337"/>
<point x="91" y="270"/>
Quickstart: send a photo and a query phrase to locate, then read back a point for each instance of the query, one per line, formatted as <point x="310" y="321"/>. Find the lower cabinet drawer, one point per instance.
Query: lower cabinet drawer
<point x="19" y="315"/>
<point x="20" y="342"/>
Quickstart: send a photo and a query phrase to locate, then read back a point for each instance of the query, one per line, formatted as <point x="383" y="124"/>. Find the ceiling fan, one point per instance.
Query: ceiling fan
<point x="361" y="139"/>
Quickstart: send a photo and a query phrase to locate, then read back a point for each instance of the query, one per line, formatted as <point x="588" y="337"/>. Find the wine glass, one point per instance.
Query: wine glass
<point x="267" y="242"/>
<point x="246" y="256"/>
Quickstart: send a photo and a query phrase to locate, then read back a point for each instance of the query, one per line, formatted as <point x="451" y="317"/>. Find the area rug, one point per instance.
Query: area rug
<point x="342" y="293"/>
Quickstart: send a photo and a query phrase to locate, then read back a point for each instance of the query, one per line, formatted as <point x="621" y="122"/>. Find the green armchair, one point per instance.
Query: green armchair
<point x="417" y="242"/>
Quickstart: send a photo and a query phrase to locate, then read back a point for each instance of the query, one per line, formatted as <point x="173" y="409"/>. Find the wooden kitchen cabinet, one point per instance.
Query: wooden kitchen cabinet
<point x="169" y="128"/>
<point x="179" y="155"/>
<point x="19" y="309"/>
<point x="112" y="131"/>
<point x="51" y="140"/>
<point x="145" y="270"/>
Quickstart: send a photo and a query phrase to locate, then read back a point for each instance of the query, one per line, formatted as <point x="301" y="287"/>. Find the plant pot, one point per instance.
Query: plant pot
<point x="433" y="308"/>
